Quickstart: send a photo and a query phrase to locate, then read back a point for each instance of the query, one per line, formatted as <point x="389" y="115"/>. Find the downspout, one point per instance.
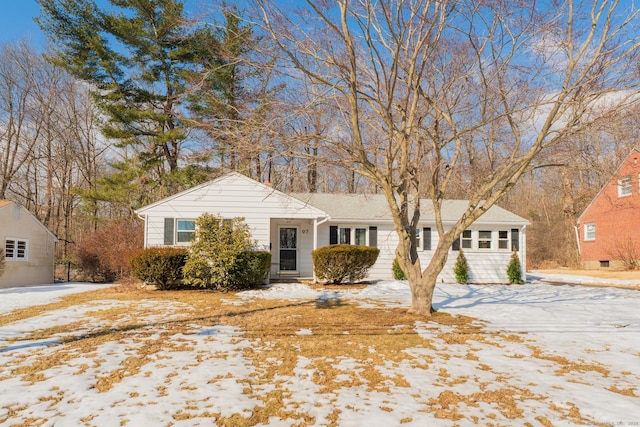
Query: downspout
<point x="575" y="227"/>
<point x="316" y="223"/>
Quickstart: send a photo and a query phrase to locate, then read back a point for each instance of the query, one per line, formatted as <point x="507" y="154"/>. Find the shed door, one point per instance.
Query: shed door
<point x="288" y="249"/>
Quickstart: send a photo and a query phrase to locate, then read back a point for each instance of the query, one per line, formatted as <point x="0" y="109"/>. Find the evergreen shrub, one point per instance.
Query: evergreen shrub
<point x="159" y="266"/>
<point x="337" y="263"/>
<point x="213" y="255"/>
<point x="514" y="271"/>
<point x="398" y="274"/>
<point x="250" y="269"/>
<point x="461" y="268"/>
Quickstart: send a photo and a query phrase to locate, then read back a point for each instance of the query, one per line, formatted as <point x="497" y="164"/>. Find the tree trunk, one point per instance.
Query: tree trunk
<point x="423" y="283"/>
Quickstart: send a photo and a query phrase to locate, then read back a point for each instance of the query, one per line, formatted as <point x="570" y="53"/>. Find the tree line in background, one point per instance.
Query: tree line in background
<point x="138" y="100"/>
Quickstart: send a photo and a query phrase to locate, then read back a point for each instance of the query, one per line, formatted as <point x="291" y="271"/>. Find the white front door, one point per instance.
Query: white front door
<point x="288" y="238"/>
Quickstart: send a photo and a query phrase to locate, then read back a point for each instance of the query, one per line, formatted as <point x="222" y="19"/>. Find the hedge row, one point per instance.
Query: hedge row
<point x="163" y="267"/>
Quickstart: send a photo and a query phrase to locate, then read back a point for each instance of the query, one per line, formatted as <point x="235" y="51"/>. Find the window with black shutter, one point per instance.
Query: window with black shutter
<point x="333" y="235"/>
<point x="168" y="231"/>
<point x="373" y="236"/>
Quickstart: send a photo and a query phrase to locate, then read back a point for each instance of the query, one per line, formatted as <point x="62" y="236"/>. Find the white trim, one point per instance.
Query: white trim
<point x="297" y="249"/>
<point x="625" y="190"/>
<point x="176" y="231"/>
<point x="16" y="242"/>
<point x="586" y="232"/>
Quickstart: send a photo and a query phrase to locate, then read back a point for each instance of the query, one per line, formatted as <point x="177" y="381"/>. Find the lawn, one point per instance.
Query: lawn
<point x="295" y="355"/>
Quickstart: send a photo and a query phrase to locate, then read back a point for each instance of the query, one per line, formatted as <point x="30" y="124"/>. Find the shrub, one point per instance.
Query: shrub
<point x="514" y="271"/>
<point x="336" y="263"/>
<point x="250" y="269"/>
<point x="398" y="274"/>
<point x="104" y="255"/>
<point x="461" y="268"/>
<point x="159" y="266"/>
<point x="212" y="255"/>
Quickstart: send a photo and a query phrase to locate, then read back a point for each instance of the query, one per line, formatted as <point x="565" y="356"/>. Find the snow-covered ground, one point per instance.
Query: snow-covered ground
<point x="578" y="359"/>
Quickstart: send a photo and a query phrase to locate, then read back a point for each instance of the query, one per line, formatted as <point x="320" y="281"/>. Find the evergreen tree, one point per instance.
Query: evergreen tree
<point x="134" y="54"/>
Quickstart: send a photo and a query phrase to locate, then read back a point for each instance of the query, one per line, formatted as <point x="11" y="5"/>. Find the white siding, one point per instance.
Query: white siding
<point x="305" y="245"/>
<point x="485" y="265"/>
<point x="266" y="209"/>
<point x="231" y="196"/>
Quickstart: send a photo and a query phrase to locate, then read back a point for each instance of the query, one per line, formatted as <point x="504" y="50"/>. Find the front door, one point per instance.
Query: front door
<point x="288" y="249"/>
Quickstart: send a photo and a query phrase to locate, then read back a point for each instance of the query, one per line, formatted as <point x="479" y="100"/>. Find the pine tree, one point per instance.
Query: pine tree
<point x="134" y="54"/>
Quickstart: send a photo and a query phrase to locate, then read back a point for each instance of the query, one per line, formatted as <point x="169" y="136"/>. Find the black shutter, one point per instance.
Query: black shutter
<point x="373" y="236"/>
<point x="168" y="231"/>
<point x="426" y="239"/>
<point x="456" y="245"/>
<point x="333" y="235"/>
<point x="515" y="239"/>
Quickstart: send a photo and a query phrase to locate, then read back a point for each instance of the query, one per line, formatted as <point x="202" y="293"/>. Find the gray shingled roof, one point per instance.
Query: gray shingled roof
<point x="374" y="207"/>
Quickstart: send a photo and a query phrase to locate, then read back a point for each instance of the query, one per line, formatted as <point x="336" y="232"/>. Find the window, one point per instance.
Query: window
<point x="418" y="246"/>
<point x="345" y="236"/>
<point x="503" y="239"/>
<point x="352" y="235"/>
<point x="484" y="239"/>
<point x="515" y="239"/>
<point x="185" y="230"/>
<point x="16" y="250"/>
<point x="624" y="186"/>
<point x="466" y="239"/>
<point x="590" y="231"/>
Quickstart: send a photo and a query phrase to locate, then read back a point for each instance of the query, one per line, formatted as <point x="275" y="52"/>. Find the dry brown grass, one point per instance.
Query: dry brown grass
<point x="367" y="338"/>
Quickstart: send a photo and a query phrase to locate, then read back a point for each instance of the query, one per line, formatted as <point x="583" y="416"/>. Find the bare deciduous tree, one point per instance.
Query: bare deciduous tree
<point x="430" y="92"/>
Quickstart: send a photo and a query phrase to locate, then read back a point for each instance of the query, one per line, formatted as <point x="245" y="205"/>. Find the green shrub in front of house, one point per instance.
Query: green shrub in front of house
<point x="159" y="266"/>
<point x="250" y="269"/>
<point x="398" y="274"/>
<point x="339" y="263"/>
<point x="461" y="268"/>
<point x="514" y="271"/>
<point x="218" y="245"/>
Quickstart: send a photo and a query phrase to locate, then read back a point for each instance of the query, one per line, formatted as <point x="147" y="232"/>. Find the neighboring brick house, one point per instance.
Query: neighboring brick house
<point x="609" y="228"/>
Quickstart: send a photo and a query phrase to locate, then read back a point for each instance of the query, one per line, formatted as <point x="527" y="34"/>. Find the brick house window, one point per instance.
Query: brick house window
<point x="624" y="186"/>
<point x="589" y="231"/>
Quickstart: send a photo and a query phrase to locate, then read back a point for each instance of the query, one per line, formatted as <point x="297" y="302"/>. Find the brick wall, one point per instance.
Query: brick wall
<point x="616" y="219"/>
